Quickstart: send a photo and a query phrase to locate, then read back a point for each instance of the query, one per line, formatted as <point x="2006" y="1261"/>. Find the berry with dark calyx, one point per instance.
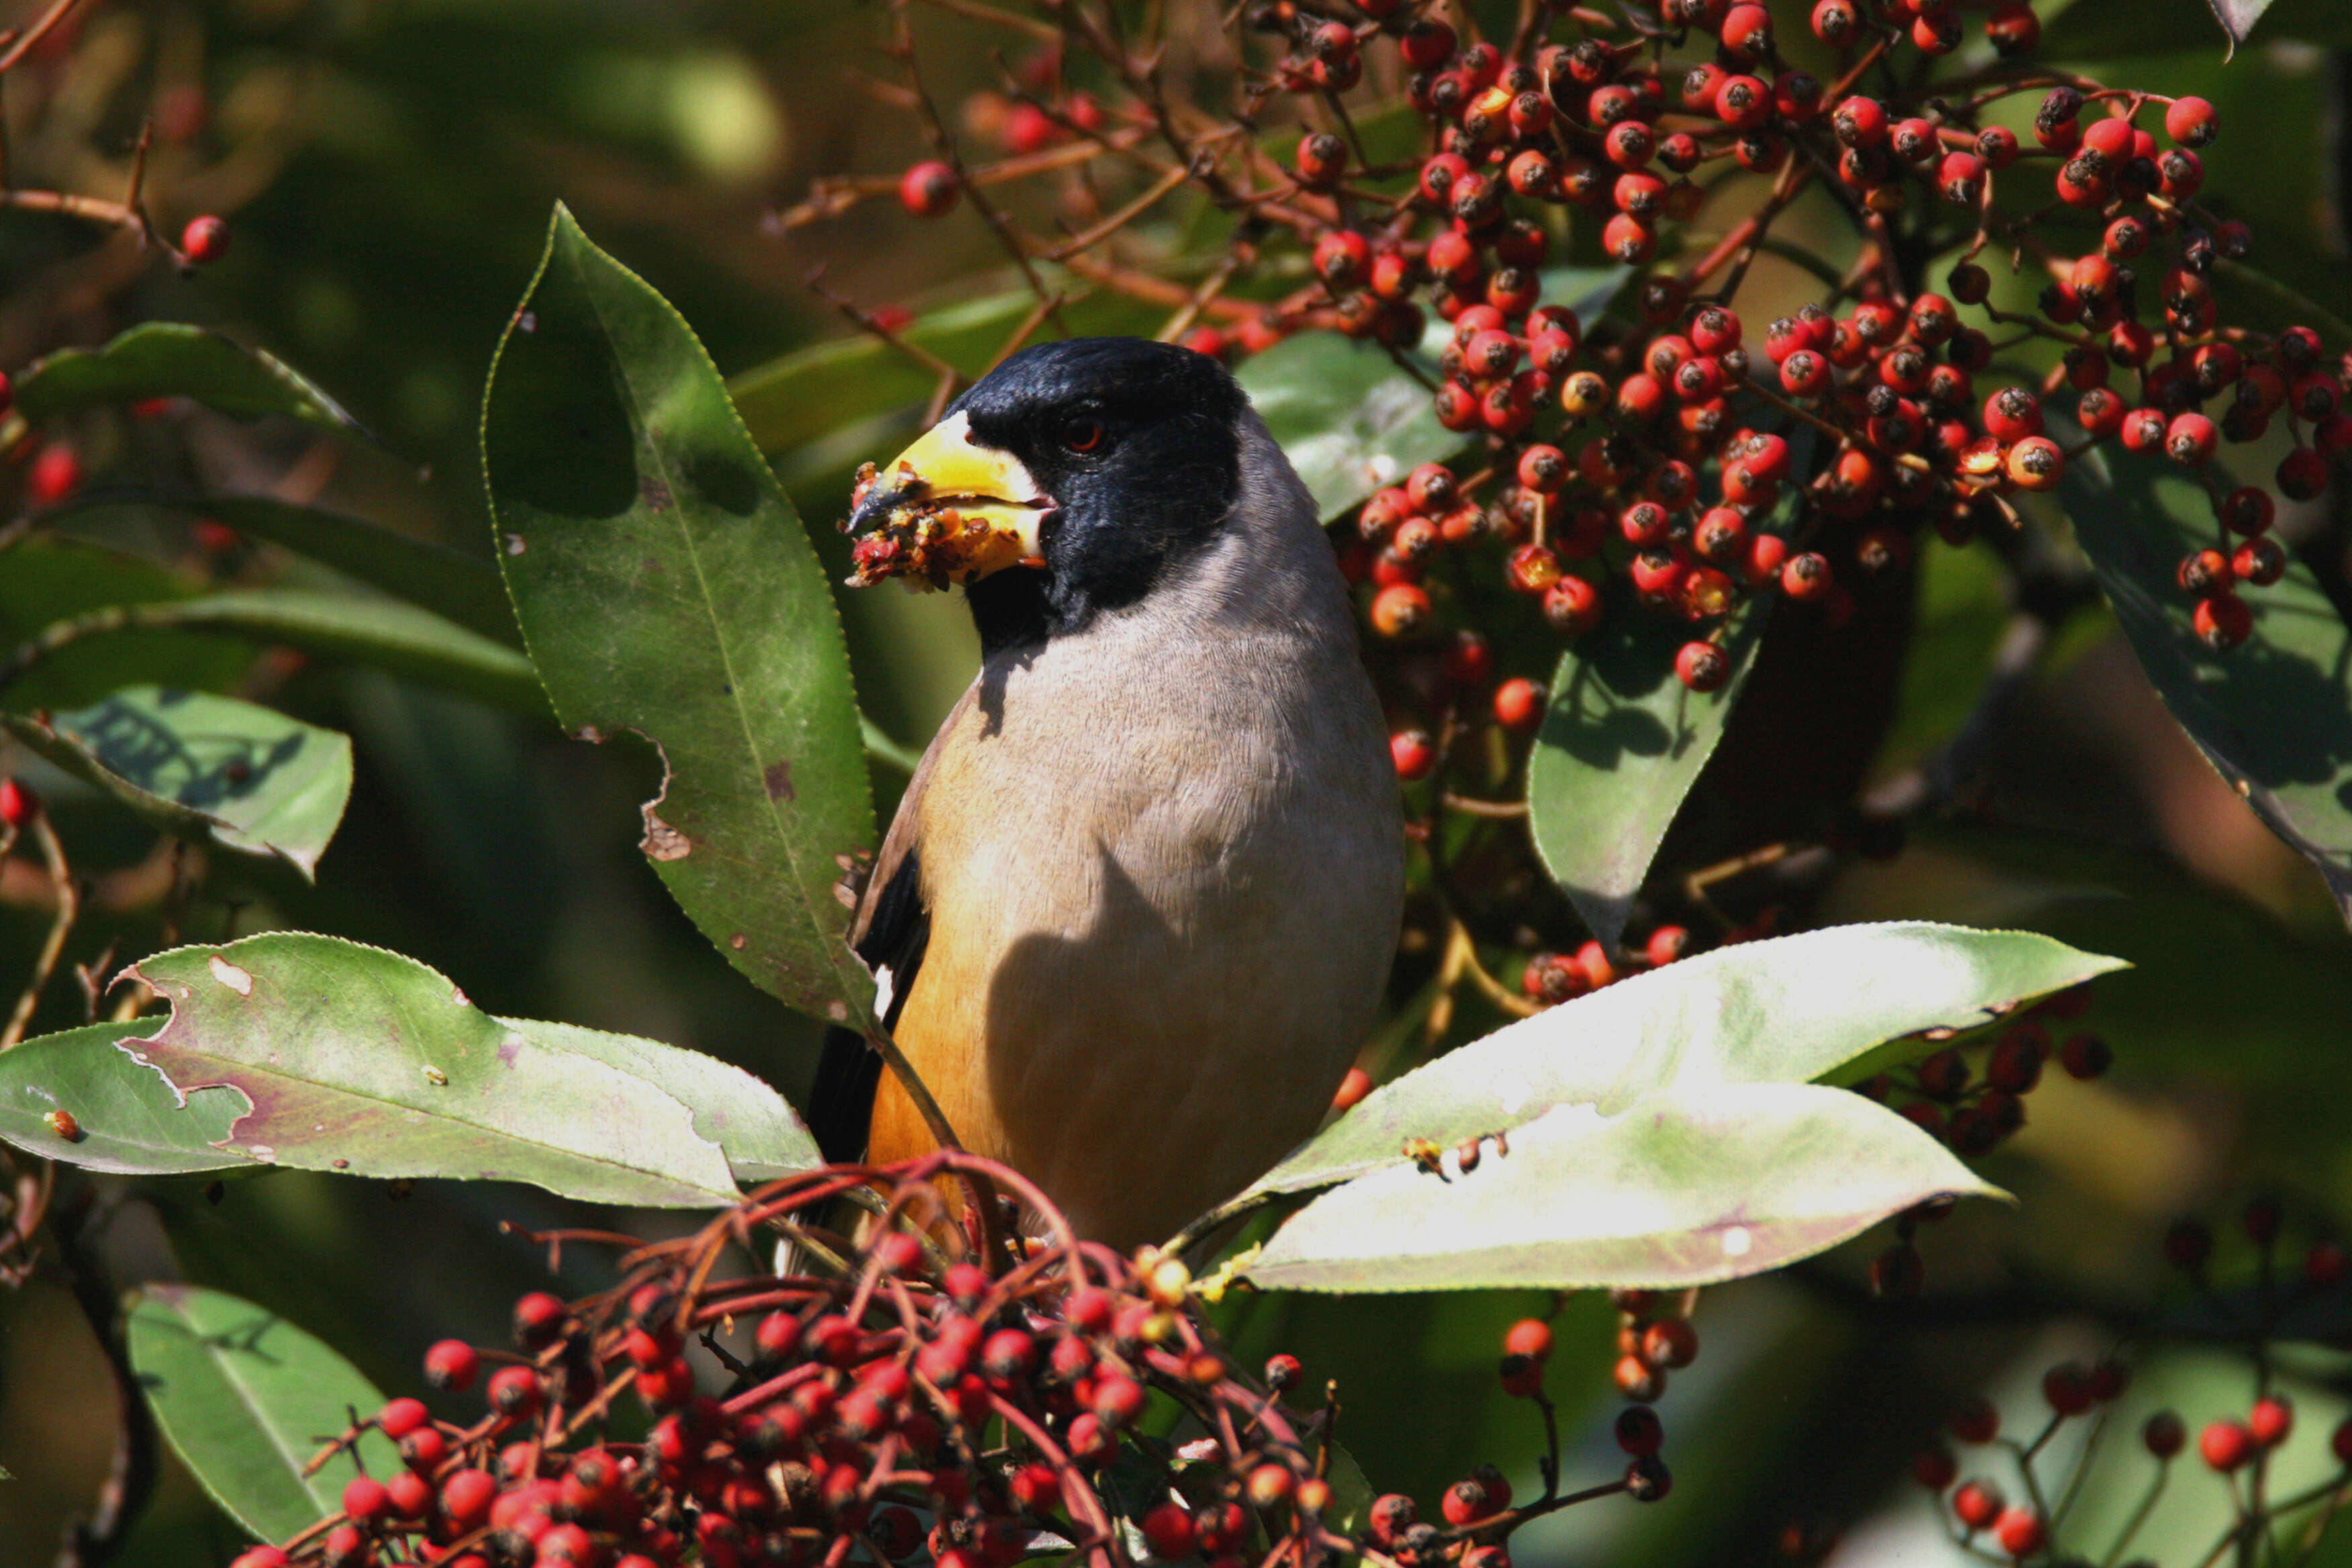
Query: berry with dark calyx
<point x="2222" y="621"/>
<point x="1670" y="1343"/>
<point x="1976" y="1505"/>
<point x="1400" y="610"/>
<point x="2191" y="122"/>
<point x="1390" y="1515"/>
<point x="1639" y="1380"/>
<point x="1520" y="705"/>
<point x="451" y="1365"/>
<point x="205" y="239"/>
<point x="1647" y="1479"/>
<point x="538" y="1320"/>
<point x="515" y="1392"/>
<point x="1522" y="1376"/>
<point x="928" y="189"/>
<point x="1702" y="666"/>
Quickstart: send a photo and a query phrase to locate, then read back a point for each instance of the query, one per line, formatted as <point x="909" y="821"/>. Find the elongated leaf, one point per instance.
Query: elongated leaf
<point x="2274" y="715"/>
<point x="247" y="1398"/>
<point x="665" y="586"/>
<point x="399" y="639"/>
<point x="127" y="1118"/>
<point x="457" y="586"/>
<point x="170" y="359"/>
<point x="248" y="778"/>
<point x="1622" y="743"/>
<point x="1350" y="420"/>
<point x="1789" y="1010"/>
<point x="352" y="1059"/>
<point x="1687" y="1187"/>
<point x="792" y="401"/>
<point x="44" y="578"/>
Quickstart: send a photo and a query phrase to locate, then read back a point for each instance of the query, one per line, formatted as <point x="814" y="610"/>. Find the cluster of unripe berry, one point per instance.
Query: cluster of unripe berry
<point x="910" y="1405"/>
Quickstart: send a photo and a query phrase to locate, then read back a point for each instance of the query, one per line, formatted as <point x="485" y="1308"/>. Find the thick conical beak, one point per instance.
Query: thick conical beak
<point x="946" y="510"/>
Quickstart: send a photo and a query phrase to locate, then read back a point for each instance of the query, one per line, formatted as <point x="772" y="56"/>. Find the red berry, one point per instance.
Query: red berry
<point x="260" y="1557"/>
<point x="1702" y="666"/>
<point x="402" y="1416"/>
<point x="2191" y="121"/>
<point x="1400" y="610"/>
<point x="2222" y="622"/>
<point x="204" y="239"/>
<point x="1520" y="705"/>
<point x="18" y="804"/>
<point x="1977" y="1422"/>
<point x="515" y="1392"/>
<point x="2271" y="1420"/>
<point x="1670" y="1343"/>
<point x="2163" y="1434"/>
<point x="2067" y="1387"/>
<point x="467" y="1495"/>
<point x="1413" y="753"/>
<point x="1522" y="1376"/>
<point x="928" y="189"/>
<point x="1168" y="1530"/>
<point x="1976" y="1504"/>
<point x="1529" y="1337"/>
<point x="2020" y="1532"/>
<point x="2226" y="1444"/>
<point x="451" y="1366"/>
<point x="1934" y="1468"/>
<point x="1666" y="944"/>
<point x="538" y="1319"/>
<point x="56" y="473"/>
<point x="365" y="1499"/>
<point x="1638" y="1431"/>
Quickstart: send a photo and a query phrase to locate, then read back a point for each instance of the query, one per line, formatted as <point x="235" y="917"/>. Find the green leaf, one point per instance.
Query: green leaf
<point x="132" y="1121"/>
<point x="1789" y="1010"/>
<point x="792" y="401"/>
<point x="1622" y="742"/>
<point x="44" y="578"/>
<point x="250" y="779"/>
<point x="2273" y="715"/>
<point x="457" y="586"/>
<point x="170" y="359"/>
<point x="1685" y="1187"/>
<point x="1351" y="421"/>
<point x="401" y="639"/>
<point x="351" y="1059"/>
<point x="248" y="1399"/>
<point x="663" y="585"/>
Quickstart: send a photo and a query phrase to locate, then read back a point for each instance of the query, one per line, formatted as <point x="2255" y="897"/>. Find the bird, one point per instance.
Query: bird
<point x="1135" y="912"/>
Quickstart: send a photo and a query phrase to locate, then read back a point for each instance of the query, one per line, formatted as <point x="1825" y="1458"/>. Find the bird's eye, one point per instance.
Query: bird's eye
<point x="1083" y="434"/>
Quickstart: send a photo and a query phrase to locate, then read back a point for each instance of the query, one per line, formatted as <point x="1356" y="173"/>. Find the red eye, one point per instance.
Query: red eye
<point x="1083" y="434"/>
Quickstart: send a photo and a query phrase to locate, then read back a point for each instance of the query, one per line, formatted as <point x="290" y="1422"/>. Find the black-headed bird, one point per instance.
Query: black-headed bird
<point x="1138" y="907"/>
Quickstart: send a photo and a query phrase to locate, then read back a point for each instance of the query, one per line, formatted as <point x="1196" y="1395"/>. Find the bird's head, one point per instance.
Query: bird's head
<point x="1067" y="482"/>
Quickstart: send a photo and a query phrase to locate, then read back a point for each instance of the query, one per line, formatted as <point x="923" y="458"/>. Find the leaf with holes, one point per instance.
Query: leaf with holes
<point x="1685" y="1187"/>
<point x="348" y="1059"/>
<point x="1792" y="1009"/>
<point x="247" y="1399"/>
<point x="172" y="358"/>
<point x="1622" y="743"/>
<point x="2273" y="715"/>
<point x="663" y="585"/>
<point x="248" y="777"/>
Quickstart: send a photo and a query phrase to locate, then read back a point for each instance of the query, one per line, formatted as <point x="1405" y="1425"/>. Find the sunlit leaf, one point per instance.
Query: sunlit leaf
<point x="665" y="586"/>
<point x="170" y="359"/>
<point x="348" y="1059"/>
<point x="248" y="1399"/>
<point x="2274" y="715"/>
<point x="248" y="777"/>
<point x="1688" y="1186"/>
<point x="1789" y="1010"/>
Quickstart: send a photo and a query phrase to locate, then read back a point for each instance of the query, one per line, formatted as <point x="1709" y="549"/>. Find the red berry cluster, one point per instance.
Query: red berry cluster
<point x="2072" y="1390"/>
<point x="1552" y="978"/>
<point x="909" y="1405"/>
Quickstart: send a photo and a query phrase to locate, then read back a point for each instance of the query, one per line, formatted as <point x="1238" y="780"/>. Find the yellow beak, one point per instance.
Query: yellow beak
<point x="946" y="510"/>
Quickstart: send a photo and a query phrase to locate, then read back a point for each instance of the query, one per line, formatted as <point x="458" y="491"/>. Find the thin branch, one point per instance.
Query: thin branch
<point x="53" y="853"/>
